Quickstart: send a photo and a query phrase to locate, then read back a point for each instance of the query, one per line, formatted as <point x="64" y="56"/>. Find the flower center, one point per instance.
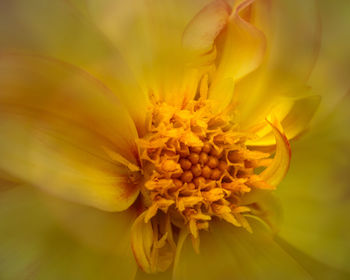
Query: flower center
<point x="196" y="167"/>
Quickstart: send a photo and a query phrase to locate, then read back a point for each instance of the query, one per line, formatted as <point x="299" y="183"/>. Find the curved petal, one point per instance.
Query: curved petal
<point x="242" y="46"/>
<point x="142" y="242"/>
<point x="277" y="170"/>
<point x="295" y="115"/>
<point x="292" y="30"/>
<point x="240" y="51"/>
<point x="228" y="252"/>
<point x="56" y="122"/>
<point x="33" y="244"/>
<point x="152" y="244"/>
<point x="201" y="32"/>
<point x="67" y="35"/>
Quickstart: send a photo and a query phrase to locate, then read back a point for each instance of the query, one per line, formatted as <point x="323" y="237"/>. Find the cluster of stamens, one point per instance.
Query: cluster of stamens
<point x="196" y="168"/>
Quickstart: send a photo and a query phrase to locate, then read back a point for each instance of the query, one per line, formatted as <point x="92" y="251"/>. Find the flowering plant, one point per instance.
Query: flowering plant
<point x="163" y="129"/>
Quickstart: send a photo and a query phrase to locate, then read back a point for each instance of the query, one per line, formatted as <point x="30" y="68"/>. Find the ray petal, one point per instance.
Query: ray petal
<point x="58" y="30"/>
<point x="56" y="122"/>
<point x="240" y="51"/>
<point x="277" y="170"/>
<point x="201" y="32"/>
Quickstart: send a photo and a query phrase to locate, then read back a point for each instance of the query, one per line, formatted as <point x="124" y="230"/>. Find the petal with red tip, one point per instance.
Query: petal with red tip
<point x="276" y="171"/>
<point x="240" y="51"/>
<point x="56" y="123"/>
<point x="203" y="29"/>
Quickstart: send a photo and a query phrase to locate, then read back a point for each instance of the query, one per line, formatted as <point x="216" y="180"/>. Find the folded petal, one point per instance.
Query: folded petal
<point x="292" y="31"/>
<point x="242" y="47"/>
<point x="228" y="252"/>
<point x="152" y="244"/>
<point x="240" y="51"/>
<point x="277" y="170"/>
<point x="198" y="42"/>
<point x="201" y="32"/>
<point x="56" y="122"/>
<point x="142" y="242"/>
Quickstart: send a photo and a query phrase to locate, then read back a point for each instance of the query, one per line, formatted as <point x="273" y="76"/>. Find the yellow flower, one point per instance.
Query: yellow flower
<point x="185" y="132"/>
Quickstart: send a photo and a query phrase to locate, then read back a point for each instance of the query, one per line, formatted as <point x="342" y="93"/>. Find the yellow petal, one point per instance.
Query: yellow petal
<point x="228" y="252"/>
<point x="55" y="124"/>
<point x="68" y="36"/>
<point x="240" y="51"/>
<point x="222" y="94"/>
<point x="203" y="29"/>
<point x="276" y="171"/>
<point x="141" y="242"/>
<point x="152" y="244"/>
<point x="280" y="74"/>
<point x="300" y="115"/>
